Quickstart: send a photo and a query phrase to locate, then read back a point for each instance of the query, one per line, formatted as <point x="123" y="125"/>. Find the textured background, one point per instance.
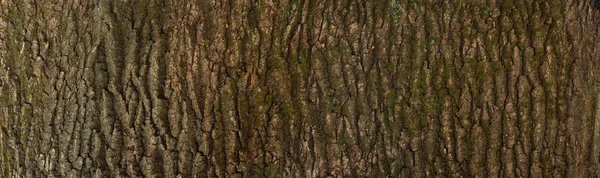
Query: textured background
<point x="300" y="88"/>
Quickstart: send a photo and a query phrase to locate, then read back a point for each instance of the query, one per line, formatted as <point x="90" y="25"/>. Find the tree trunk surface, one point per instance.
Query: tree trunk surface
<point x="299" y="88"/>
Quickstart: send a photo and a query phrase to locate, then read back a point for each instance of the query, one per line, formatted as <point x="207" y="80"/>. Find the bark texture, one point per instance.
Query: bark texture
<point x="299" y="88"/>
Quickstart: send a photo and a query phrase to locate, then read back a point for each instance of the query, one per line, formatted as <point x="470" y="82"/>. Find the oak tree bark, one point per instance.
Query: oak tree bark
<point x="299" y="88"/>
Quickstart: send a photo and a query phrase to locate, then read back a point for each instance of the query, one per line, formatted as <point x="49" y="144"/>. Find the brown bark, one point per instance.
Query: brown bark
<point x="299" y="88"/>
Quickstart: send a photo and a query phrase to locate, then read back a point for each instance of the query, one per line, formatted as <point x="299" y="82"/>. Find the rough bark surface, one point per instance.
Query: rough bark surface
<point x="299" y="88"/>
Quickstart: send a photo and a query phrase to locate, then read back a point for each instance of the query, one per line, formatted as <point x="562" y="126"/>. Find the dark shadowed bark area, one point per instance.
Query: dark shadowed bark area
<point x="299" y="88"/>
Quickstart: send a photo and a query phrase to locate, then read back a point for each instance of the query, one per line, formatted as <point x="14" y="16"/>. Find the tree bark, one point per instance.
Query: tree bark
<point x="299" y="88"/>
